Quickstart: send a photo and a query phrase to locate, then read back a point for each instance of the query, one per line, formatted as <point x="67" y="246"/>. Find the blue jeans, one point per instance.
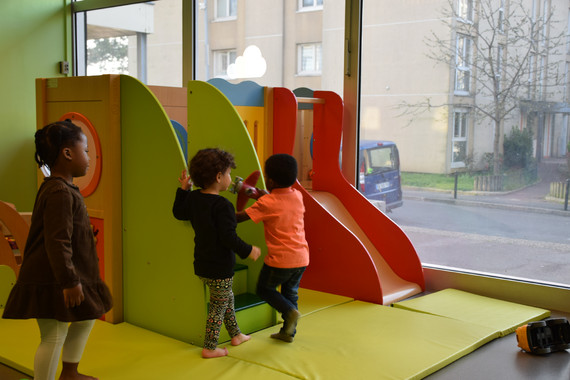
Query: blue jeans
<point x="289" y="278"/>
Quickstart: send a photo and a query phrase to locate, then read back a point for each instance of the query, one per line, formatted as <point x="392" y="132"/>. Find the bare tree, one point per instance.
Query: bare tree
<point x="502" y="52"/>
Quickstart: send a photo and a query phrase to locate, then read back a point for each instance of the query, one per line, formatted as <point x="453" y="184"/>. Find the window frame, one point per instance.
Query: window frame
<point x="463" y="64"/>
<point x="499" y="68"/>
<point x="317" y="58"/>
<point x="501" y="17"/>
<point x="218" y="54"/>
<point x="463" y="136"/>
<point x="301" y="7"/>
<point x="228" y="10"/>
<point x="531" y="292"/>
<point x="465" y="11"/>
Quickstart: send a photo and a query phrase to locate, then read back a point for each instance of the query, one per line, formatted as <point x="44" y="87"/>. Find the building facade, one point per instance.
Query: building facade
<point x="432" y="73"/>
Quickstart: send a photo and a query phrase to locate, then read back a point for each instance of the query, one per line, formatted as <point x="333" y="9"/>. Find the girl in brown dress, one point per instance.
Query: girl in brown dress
<point x="59" y="282"/>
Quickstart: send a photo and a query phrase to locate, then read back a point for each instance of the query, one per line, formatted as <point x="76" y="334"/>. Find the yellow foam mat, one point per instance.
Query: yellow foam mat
<point x="359" y="340"/>
<point x="500" y="315"/>
<point x="337" y="338"/>
<point x="125" y="352"/>
<point x="351" y="340"/>
<point x="311" y="301"/>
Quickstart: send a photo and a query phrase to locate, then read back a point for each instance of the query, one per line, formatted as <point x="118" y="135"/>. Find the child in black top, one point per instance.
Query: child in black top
<point x="214" y="223"/>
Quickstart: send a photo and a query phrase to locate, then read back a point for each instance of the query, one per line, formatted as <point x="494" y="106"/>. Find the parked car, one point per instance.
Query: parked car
<point x="379" y="173"/>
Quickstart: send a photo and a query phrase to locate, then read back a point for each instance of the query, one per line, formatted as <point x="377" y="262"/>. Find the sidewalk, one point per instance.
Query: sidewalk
<point x="530" y="199"/>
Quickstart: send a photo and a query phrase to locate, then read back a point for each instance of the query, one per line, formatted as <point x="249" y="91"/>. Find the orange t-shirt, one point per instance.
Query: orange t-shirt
<point x="282" y="212"/>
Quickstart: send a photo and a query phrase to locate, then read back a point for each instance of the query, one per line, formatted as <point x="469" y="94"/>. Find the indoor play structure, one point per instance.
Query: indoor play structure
<point x="350" y="252"/>
<point x="360" y="261"/>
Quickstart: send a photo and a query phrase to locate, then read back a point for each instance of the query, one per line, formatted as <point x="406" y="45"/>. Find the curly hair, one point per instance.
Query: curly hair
<point x="282" y="169"/>
<point x="207" y="163"/>
<point x="52" y="138"/>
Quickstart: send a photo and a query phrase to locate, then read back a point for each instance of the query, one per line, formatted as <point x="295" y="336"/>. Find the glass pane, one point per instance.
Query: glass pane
<point x="381" y="159"/>
<point x="222" y="8"/>
<point x="459" y="151"/>
<point x="107" y="55"/>
<point x="142" y="40"/>
<point x="457" y="125"/>
<point x="307" y="58"/>
<point x="410" y="99"/>
<point x="462" y="83"/>
<point x="318" y="39"/>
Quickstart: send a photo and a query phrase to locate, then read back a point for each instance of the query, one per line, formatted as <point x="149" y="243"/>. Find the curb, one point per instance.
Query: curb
<point x="502" y="206"/>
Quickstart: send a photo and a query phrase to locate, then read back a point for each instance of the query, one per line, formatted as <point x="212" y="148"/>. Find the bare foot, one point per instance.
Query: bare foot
<point x="216" y="353"/>
<point x="77" y="377"/>
<point x="239" y="339"/>
<point x="69" y="372"/>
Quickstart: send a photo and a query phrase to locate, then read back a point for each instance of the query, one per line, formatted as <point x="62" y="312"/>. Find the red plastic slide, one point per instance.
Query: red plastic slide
<point x="356" y="250"/>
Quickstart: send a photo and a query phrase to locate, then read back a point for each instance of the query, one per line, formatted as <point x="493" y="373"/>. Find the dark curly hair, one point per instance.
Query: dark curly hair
<point x="282" y="169"/>
<point x="207" y="163"/>
<point x="52" y="138"/>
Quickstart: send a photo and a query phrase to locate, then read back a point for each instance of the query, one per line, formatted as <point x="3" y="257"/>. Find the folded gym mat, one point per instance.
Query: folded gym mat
<point x="500" y="315"/>
<point x="359" y="340"/>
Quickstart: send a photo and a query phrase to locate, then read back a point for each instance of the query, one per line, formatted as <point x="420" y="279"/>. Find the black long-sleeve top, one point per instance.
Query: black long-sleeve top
<point x="213" y="219"/>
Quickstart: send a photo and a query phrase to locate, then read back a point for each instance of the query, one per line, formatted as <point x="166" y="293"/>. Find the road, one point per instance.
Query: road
<point x="507" y="242"/>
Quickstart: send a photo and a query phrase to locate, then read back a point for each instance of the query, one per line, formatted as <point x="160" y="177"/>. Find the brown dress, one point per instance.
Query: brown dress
<point x="60" y="253"/>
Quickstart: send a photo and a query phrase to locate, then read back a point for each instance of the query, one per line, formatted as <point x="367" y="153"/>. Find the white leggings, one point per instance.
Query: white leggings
<point x="55" y="335"/>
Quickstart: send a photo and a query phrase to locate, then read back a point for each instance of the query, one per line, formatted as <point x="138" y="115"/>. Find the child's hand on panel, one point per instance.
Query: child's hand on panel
<point x="255" y="253"/>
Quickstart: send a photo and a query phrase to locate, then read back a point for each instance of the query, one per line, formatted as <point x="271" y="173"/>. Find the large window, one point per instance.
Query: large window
<point x="463" y="64"/>
<point x="426" y="108"/>
<point x="422" y="95"/>
<point x="143" y="40"/>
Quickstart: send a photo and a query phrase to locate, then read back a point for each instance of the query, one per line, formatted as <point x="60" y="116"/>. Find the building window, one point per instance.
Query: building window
<point x="545" y="22"/>
<point x="310" y="5"/>
<point x="499" y="68"/>
<point x="566" y="68"/>
<point x="459" y="140"/>
<point x="309" y="58"/>
<point x="222" y="59"/>
<point x="465" y="10"/>
<point x="226" y="9"/>
<point x="541" y="75"/>
<point x="568" y="33"/>
<point x="501" y="20"/>
<point x="531" y="75"/>
<point x="463" y="64"/>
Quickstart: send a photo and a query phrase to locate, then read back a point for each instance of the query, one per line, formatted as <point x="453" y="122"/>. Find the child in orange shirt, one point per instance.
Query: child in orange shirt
<point x="281" y="212"/>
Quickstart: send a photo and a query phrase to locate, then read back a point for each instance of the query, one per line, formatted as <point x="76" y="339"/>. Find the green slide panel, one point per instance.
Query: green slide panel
<point x="161" y="292"/>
